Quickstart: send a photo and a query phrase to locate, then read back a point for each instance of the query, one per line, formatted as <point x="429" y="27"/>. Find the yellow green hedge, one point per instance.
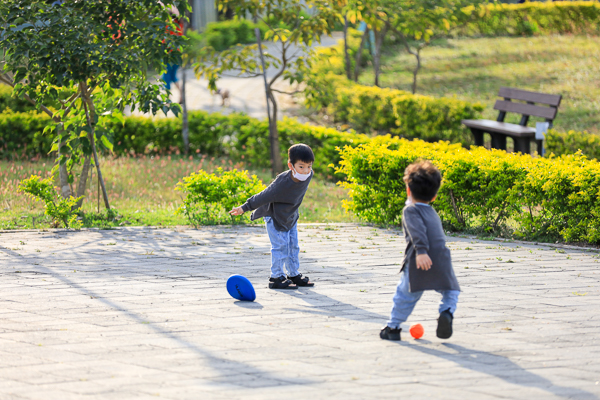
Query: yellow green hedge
<point x="532" y="18"/>
<point x="487" y="191"/>
<point x="371" y="109"/>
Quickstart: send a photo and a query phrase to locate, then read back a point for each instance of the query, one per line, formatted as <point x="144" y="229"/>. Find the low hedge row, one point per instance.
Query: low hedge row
<point x="224" y="34"/>
<point x="491" y="191"/>
<point x="532" y="18"/>
<point x="381" y="110"/>
<point x="7" y="101"/>
<point x="236" y="136"/>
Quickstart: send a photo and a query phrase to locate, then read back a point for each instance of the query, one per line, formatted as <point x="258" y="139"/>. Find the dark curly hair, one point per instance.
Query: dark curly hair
<point x="424" y="180"/>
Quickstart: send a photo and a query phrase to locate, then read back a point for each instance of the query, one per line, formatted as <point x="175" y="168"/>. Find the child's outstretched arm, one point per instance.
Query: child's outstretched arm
<point x="418" y="236"/>
<point x="237" y="211"/>
<point x="269" y="195"/>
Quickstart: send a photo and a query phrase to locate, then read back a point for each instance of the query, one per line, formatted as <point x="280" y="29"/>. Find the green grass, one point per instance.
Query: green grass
<point x="142" y="191"/>
<point x="474" y="70"/>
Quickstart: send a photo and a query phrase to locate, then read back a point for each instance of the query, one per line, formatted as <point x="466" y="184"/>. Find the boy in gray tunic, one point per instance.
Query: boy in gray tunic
<point x="278" y="205"/>
<point x="427" y="264"/>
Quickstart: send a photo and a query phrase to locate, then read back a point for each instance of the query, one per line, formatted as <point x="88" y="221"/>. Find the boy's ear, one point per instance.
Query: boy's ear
<point x="434" y="197"/>
<point x="290" y="164"/>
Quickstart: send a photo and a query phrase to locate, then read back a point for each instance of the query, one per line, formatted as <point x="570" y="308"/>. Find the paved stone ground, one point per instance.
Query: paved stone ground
<point x="140" y="312"/>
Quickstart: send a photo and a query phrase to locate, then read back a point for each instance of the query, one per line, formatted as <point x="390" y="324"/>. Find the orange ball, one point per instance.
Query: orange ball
<point x="417" y="331"/>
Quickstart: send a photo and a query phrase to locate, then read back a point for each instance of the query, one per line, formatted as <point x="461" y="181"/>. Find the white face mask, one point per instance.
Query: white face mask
<point x="300" y="177"/>
<point x="408" y="201"/>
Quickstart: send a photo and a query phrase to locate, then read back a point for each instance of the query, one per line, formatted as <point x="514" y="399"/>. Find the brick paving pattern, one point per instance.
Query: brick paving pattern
<point x="142" y="312"/>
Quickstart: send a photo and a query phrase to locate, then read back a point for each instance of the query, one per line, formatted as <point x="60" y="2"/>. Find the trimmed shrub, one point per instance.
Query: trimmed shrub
<point x="209" y="197"/>
<point x="21" y="134"/>
<point x="236" y="136"/>
<point x="371" y="109"/>
<point x="7" y="101"/>
<point x="62" y="211"/>
<point x="224" y="34"/>
<point x="571" y="142"/>
<point x="532" y="18"/>
<point x="483" y="190"/>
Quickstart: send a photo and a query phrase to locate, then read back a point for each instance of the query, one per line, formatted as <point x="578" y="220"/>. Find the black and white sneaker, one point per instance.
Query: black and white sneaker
<point x="444" y="328"/>
<point x="388" y="333"/>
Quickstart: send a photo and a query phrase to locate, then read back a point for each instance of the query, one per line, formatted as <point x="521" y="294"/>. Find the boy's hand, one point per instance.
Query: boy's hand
<point x="424" y="262"/>
<point x="236" y="211"/>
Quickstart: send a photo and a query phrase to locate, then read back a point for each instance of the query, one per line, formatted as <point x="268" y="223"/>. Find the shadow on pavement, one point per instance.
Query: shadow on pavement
<point x="325" y="305"/>
<point x="500" y="367"/>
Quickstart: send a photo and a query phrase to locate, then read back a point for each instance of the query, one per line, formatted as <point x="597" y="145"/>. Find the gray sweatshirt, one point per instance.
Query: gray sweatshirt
<point x="279" y="201"/>
<point x="425" y="235"/>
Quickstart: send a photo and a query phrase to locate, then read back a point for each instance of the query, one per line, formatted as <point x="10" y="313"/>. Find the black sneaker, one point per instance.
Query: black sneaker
<point x="281" y="283"/>
<point x="388" y="333"/>
<point x="444" y="328"/>
<point x="300" y="281"/>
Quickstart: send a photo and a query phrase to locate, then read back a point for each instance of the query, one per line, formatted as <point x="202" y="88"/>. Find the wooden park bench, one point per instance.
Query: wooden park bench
<point x="521" y="134"/>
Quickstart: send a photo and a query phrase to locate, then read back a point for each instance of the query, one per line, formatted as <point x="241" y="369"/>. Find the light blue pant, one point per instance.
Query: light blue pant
<point x="284" y="250"/>
<point x="405" y="301"/>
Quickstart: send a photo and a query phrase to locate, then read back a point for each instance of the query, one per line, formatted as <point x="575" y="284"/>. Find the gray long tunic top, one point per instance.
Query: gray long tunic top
<point x="280" y="201"/>
<point x="425" y="235"/>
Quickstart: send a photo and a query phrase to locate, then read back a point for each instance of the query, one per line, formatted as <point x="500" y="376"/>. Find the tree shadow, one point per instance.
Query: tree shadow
<point x="321" y="304"/>
<point x="229" y="370"/>
<point x="499" y="367"/>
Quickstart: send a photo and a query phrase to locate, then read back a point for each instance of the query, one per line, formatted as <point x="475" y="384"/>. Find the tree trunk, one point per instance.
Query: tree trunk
<point x="416" y="71"/>
<point x="273" y="134"/>
<point x="358" y="61"/>
<point x="185" y="130"/>
<point x="91" y="117"/>
<point x="379" y="36"/>
<point x="346" y="53"/>
<point x="274" y="139"/>
<point x="63" y="175"/>
<point x="81" y="184"/>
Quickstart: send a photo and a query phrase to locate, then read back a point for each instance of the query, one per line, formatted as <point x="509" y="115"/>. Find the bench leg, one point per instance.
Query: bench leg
<point x="522" y="145"/>
<point x="498" y="141"/>
<point x="478" y="135"/>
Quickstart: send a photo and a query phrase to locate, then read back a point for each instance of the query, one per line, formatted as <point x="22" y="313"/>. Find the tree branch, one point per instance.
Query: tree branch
<point x="29" y="99"/>
<point x="281" y="71"/>
<point x="288" y="93"/>
<point x="244" y="77"/>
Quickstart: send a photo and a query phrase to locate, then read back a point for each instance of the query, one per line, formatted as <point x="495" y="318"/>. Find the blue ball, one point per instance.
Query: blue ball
<point x="239" y="287"/>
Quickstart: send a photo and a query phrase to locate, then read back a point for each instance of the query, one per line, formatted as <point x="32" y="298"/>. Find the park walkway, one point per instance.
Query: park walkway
<point x="141" y="312"/>
<point x="247" y="95"/>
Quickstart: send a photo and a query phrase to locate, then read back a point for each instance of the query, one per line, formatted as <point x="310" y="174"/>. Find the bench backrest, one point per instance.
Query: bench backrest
<point x="548" y="111"/>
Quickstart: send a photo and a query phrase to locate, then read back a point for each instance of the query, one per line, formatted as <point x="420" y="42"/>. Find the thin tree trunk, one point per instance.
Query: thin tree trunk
<point x="185" y="131"/>
<point x="346" y="53"/>
<point x="273" y="134"/>
<point x="83" y="180"/>
<point x="63" y="174"/>
<point x="358" y="61"/>
<point x="379" y="36"/>
<point x="90" y="112"/>
<point x="416" y="71"/>
<point x="276" y="153"/>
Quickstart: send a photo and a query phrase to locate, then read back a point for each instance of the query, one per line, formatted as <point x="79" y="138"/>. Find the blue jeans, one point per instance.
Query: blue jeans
<point x="405" y="301"/>
<point x="284" y="250"/>
<point x="170" y="76"/>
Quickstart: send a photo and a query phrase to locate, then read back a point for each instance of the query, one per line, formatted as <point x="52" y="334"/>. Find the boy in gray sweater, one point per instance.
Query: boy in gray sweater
<point x="427" y="264"/>
<point x="278" y="204"/>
